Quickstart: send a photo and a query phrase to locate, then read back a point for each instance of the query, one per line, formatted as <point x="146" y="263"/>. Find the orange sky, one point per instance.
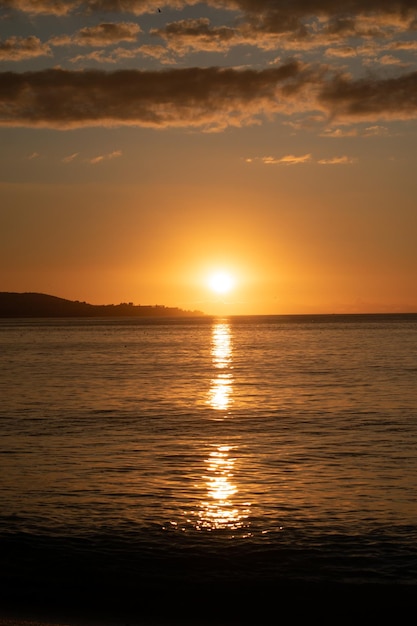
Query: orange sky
<point x="168" y="146"/>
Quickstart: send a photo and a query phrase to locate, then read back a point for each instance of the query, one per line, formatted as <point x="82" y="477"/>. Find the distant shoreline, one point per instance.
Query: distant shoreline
<point x="31" y="305"/>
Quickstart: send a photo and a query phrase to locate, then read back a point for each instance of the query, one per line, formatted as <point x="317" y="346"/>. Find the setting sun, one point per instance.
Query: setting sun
<point x="221" y="282"/>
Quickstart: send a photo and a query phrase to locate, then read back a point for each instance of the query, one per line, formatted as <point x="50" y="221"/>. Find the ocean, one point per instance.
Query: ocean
<point x="198" y="469"/>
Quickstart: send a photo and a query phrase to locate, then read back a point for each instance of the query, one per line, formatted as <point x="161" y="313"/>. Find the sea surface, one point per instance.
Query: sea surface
<point x="206" y="454"/>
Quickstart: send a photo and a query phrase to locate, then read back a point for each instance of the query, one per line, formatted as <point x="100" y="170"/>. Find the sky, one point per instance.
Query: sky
<point x="147" y="145"/>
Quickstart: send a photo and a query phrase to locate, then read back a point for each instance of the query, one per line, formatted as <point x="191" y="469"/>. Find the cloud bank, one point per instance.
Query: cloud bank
<point x="196" y="97"/>
<point x="210" y="98"/>
<point x="357" y="35"/>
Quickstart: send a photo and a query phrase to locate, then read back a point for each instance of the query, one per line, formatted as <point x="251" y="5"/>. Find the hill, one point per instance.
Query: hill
<point x="42" y="305"/>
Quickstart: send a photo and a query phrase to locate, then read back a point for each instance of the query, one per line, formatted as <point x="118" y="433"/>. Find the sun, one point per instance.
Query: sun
<point x="221" y="282"/>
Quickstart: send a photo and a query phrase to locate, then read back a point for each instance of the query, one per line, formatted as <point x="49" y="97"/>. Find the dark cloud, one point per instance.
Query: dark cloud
<point x="207" y="98"/>
<point x="19" y="48"/>
<point x="371" y="99"/>
<point x="210" y="97"/>
<point x="303" y="8"/>
<point x="305" y="24"/>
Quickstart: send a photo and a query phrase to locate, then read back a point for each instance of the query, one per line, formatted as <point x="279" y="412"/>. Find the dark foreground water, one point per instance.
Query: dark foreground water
<point x="207" y="469"/>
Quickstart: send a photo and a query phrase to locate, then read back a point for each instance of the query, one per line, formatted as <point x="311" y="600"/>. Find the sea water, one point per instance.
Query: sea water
<point x="258" y="449"/>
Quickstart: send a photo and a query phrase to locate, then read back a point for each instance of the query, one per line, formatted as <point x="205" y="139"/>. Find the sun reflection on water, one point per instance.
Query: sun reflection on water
<point x="219" y="508"/>
<point x="221" y="384"/>
<point x="218" y="511"/>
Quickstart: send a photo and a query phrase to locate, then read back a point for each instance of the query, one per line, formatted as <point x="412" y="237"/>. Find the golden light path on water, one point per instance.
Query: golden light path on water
<point x="221" y="352"/>
<point x="218" y="510"/>
<point x="218" y="506"/>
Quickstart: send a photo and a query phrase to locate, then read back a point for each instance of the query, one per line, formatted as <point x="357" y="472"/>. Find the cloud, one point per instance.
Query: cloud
<point x="105" y="157"/>
<point x="342" y="52"/>
<point x="104" y="34"/>
<point x="289" y="159"/>
<point x="136" y="7"/>
<point x="65" y="7"/>
<point x="117" y="55"/>
<point x="371" y="98"/>
<point x="342" y="160"/>
<point x="338" y="133"/>
<point x="404" y="45"/>
<point x="208" y="98"/>
<point x="266" y="24"/>
<point x="156" y="52"/>
<point x="301" y="25"/>
<point x="296" y="26"/>
<point x="105" y="56"/>
<point x="289" y="14"/>
<point x="375" y="131"/>
<point x="19" y="48"/>
<point x="70" y="158"/>
<point x="370" y="131"/>
<point x="41" y="7"/>
<point x="94" y="160"/>
<point x="98" y="56"/>
<point x="197" y="34"/>
<point x="388" y="59"/>
<point x="280" y="14"/>
<point x="211" y="97"/>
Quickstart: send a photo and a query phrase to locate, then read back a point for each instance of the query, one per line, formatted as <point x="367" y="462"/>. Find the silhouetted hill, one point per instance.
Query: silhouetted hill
<point x="42" y="305"/>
